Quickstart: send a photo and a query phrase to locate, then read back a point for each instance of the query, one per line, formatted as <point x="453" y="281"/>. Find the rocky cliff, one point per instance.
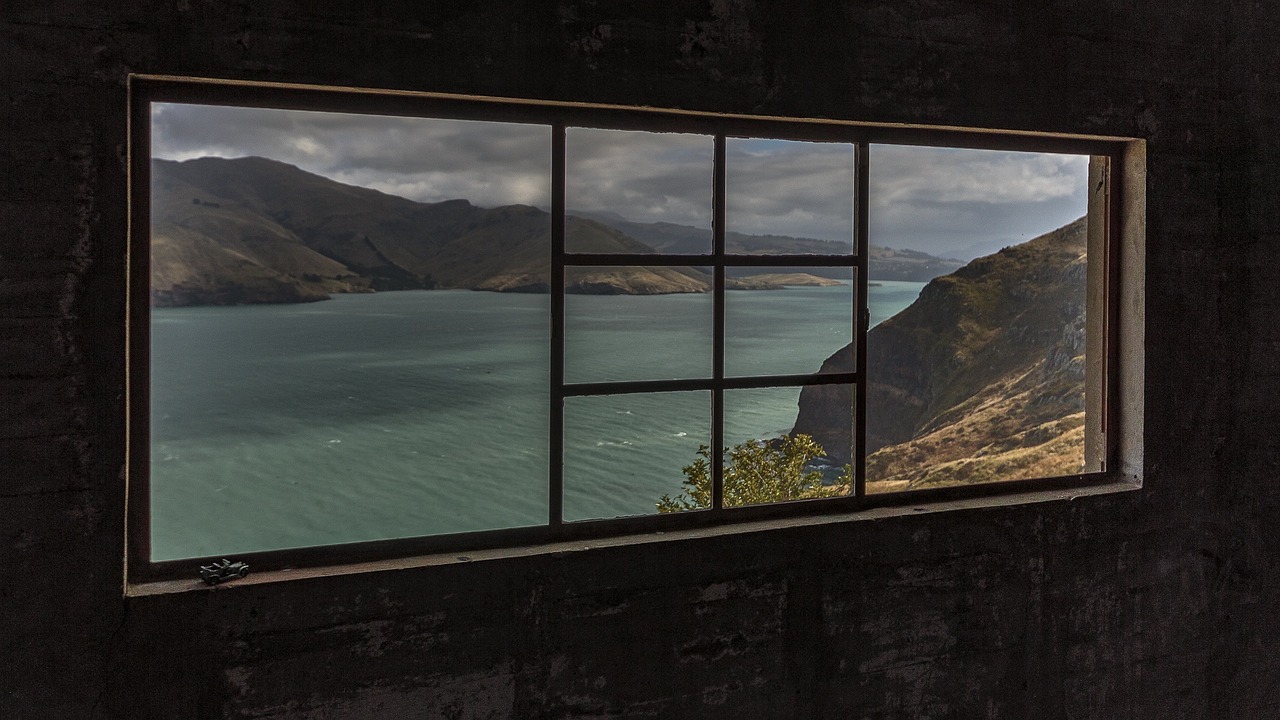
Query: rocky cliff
<point x="981" y="379"/>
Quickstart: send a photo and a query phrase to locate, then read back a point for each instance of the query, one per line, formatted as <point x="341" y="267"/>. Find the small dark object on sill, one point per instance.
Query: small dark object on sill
<point x="224" y="570"/>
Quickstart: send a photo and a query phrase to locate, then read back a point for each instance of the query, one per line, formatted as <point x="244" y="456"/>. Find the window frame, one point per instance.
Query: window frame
<point x="1120" y="212"/>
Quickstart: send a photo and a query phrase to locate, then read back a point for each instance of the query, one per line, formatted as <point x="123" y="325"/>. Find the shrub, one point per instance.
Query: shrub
<point x="757" y="472"/>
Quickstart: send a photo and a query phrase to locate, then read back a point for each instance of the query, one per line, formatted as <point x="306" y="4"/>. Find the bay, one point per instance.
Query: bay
<point x="415" y="413"/>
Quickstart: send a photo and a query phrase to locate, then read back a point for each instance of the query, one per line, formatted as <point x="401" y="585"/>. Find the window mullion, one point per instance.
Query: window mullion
<point x="861" y="316"/>
<point x="717" y="370"/>
<point x="555" y="471"/>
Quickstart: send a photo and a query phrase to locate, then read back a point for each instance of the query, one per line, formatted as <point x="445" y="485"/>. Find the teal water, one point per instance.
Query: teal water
<point x="416" y="413"/>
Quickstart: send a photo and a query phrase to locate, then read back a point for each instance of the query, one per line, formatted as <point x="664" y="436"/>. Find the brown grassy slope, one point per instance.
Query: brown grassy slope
<point x="984" y="368"/>
<point x="780" y="280"/>
<point x="388" y="241"/>
<point x="206" y="249"/>
<point x="511" y="253"/>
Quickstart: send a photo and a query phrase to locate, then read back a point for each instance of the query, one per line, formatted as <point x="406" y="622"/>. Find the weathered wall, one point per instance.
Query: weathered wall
<point x="1156" y="604"/>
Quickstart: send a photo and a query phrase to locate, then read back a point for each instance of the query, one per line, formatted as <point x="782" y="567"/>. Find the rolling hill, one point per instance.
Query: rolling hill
<point x="884" y="263"/>
<point x="254" y="230"/>
<point x="257" y="230"/>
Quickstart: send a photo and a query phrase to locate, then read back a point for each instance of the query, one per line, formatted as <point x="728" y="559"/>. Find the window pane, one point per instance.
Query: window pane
<point x="787" y="320"/>
<point x="624" y="453"/>
<point x="788" y="197"/>
<point x="788" y="443"/>
<point x="637" y="192"/>
<point x="982" y="378"/>
<point x="611" y="338"/>
<point x="279" y="422"/>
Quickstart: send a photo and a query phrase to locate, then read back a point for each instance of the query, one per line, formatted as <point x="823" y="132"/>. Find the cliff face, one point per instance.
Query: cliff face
<point x="981" y="379"/>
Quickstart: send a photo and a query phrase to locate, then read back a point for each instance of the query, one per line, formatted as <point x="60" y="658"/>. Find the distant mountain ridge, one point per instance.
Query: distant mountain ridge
<point x="884" y="263"/>
<point x="255" y="230"/>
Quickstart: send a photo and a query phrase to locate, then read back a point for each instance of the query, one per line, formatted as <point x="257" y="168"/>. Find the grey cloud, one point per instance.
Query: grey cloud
<point x="424" y="159"/>
<point x="645" y="177"/>
<point x="964" y="203"/>
<point x="941" y="200"/>
<point x="791" y="188"/>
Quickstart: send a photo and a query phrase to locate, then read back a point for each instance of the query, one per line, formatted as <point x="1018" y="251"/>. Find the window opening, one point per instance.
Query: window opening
<point x="983" y="378"/>
<point x="367" y="325"/>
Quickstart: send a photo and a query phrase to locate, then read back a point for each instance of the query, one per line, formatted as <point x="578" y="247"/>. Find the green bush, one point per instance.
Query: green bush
<point x="757" y="472"/>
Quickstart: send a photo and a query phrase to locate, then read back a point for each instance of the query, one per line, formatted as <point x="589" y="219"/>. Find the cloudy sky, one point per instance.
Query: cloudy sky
<point x="646" y="177"/>
<point x="957" y="203"/>
<point x="965" y="203"/>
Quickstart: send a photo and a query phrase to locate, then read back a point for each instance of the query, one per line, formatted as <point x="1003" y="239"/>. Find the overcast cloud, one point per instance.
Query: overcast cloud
<point x="645" y="177"/>
<point x="783" y="187"/>
<point x="958" y="203"/>
<point x="965" y="203"/>
<point x="428" y="160"/>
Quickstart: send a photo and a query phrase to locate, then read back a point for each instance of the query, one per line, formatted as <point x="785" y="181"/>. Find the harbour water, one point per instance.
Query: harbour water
<point x="416" y="413"/>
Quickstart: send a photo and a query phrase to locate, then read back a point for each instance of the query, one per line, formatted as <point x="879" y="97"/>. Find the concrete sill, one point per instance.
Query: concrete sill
<point x="165" y="587"/>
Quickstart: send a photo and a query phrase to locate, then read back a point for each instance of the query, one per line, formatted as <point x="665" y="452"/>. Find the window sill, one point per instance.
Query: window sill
<point x="166" y="587"/>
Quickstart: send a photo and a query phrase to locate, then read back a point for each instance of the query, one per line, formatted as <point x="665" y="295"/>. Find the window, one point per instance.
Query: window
<point x="546" y="321"/>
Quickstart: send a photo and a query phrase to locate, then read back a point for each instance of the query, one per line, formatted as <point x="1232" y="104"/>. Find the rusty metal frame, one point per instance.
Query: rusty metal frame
<point x="143" y="90"/>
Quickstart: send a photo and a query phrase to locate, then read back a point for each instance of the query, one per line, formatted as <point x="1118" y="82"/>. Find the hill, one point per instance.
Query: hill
<point x="884" y="263"/>
<point x="256" y="230"/>
<point x="981" y="379"/>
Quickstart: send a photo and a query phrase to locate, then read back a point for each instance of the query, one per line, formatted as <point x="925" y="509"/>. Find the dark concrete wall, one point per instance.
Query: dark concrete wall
<point x="1155" y="604"/>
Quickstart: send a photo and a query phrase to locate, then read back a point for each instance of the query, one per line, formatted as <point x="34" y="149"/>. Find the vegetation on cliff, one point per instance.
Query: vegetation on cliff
<point x="757" y="472"/>
<point x="981" y="379"/>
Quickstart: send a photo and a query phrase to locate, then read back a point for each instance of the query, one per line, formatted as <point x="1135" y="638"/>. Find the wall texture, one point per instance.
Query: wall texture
<point x="1155" y="604"/>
